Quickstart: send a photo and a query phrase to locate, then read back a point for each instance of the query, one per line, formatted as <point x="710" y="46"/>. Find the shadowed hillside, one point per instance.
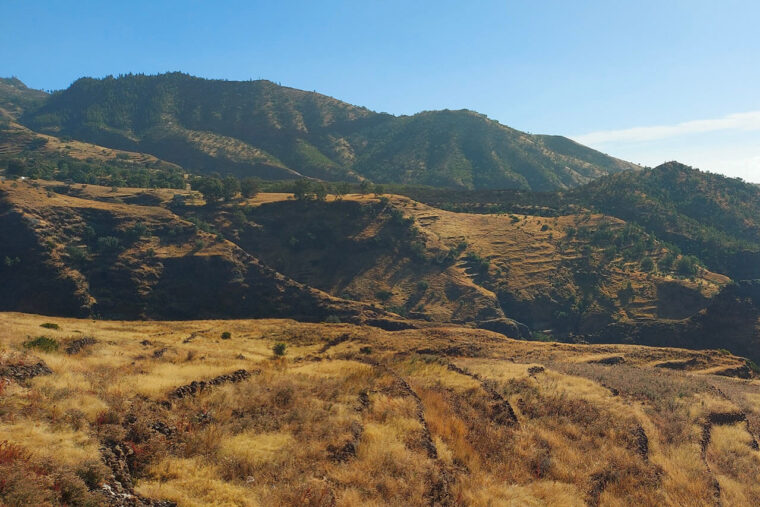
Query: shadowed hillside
<point x="73" y="256"/>
<point x="262" y="129"/>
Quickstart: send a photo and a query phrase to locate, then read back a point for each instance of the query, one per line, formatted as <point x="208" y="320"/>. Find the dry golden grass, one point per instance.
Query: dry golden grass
<point x="330" y="425"/>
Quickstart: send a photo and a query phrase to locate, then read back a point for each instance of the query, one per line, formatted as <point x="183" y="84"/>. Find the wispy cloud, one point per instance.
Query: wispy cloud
<point x="739" y="121"/>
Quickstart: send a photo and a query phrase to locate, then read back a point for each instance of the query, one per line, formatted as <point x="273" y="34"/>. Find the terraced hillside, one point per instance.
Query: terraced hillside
<point x="257" y="128"/>
<point x="217" y="413"/>
<point x="574" y="274"/>
<point x="18" y="141"/>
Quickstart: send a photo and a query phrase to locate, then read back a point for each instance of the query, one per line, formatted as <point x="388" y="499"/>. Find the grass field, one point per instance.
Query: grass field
<point x="155" y="411"/>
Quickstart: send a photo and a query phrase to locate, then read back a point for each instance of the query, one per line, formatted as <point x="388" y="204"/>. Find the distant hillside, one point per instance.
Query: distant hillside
<point x="262" y="129"/>
<point x="713" y="217"/>
<point x="708" y="215"/>
<point x="15" y="97"/>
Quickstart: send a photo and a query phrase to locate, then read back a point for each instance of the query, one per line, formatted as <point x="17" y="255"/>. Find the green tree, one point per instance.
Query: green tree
<point x="364" y="187"/>
<point x="230" y="187"/>
<point x="211" y="188"/>
<point x="16" y="167"/>
<point x="687" y="265"/>
<point x="379" y="190"/>
<point x="320" y="191"/>
<point x="302" y="189"/>
<point x="647" y="264"/>
<point x="342" y="188"/>
<point x="249" y="187"/>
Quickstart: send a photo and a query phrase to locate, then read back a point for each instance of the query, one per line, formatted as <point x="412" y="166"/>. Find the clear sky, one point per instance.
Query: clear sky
<point x="647" y="81"/>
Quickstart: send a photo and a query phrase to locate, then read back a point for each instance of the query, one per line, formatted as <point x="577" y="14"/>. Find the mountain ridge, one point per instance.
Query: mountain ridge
<point x="259" y="128"/>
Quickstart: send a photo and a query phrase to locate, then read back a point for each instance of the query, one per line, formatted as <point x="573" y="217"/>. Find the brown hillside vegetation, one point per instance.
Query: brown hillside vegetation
<point x="204" y="413"/>
<point x="15" y="139"/>
<point x="76" y="256"/>
<point x="564" y="274"/>
<point x="130" y="253"/>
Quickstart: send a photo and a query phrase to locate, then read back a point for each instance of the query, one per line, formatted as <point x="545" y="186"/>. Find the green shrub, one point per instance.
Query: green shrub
<point x="108" y="244"/>
<point x="540" y="337"/>
<point x="687" y="265"/>
<point x="383" y="295"/>
<point x="279" y="349"/>
<point x="43" y="343"/>
<point x="422" y="286"/>
<point x="647" y="264"/>
<point x="9" y="262"/>
<point x="226" y="335"/>
<point x="332" y="319"/>
<point x="666" y="263"/>
<point x="366" y="350"/>
<point x="50" y="325"/>
<point x="77" y="254"/>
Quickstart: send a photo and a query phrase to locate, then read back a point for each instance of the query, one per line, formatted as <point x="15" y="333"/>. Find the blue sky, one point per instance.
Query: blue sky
<point x="644" y="80"/>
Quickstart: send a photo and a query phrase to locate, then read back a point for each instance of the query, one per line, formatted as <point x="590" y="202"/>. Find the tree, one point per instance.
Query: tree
<point x="249" y="187"/>
<point x="211" y="188"/>
<point x="302" y="189"/>
<point x="379" y="189"/>
<point x="231" y="187"/>
<point x="647" y="264"/>
<point x="687" y="265"/>
<point x="320" y="191"/>
<point x="342" y="189"/>
<point x="16" y="167"/>
<point x="364" y="187"/>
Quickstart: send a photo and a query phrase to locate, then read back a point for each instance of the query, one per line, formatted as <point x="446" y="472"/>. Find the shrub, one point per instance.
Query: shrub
<point x="366" y="350"/>
<point x="9" y="262"/>
<point x="42" y="343"/>
<point x="332" y="319"/>
<point x="687" y="265"/>
<point x="647" y="264"/>
<point x="666" y="263"/>
<point x="77" y="254"/>
<point x="422" y="286"/>
<point x="226" y="335"/>
<point x="383" y="295"/>
<point x="50" y="325"/>
<point x="540" y="337"/>
<point x="137" y="231"/>
<point x="626" y="294"/>
<point x="108" y="244"/>
<point x="279" y="349"/>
